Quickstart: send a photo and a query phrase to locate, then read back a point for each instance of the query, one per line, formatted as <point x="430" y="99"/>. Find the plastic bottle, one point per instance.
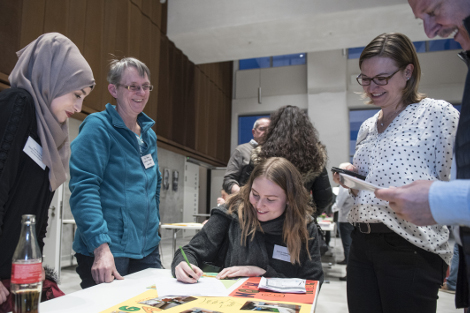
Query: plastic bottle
<point x="26" y="270"/>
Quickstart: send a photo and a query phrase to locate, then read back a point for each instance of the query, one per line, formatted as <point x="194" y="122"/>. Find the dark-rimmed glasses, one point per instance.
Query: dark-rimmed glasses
<point x="137" y="87"/>
<point x="378" y="80"/>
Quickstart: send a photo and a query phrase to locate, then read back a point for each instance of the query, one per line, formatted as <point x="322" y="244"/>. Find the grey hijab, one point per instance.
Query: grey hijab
<point x="49" y="67"/>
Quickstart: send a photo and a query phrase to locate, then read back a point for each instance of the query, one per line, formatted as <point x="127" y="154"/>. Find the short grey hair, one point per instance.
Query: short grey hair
<point x="256" y="124"/>
<point x="117" y="67"/>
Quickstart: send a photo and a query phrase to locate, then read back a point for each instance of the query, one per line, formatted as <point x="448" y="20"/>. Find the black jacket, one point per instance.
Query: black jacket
<point x="462" y="140"/>
<point x="219" y="243"/>
<point x="24" y="185"/>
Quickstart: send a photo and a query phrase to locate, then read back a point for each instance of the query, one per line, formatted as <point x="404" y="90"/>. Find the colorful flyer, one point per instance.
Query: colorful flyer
<point x="249" y="289"/>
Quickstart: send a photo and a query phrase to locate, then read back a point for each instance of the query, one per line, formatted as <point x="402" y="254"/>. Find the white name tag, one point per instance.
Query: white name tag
<point x="34" y="151"/>
<point x="281" y="253"/>
<point x="147" y="160"/>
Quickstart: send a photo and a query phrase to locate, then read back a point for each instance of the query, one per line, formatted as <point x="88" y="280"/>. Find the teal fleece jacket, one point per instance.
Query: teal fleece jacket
<point x="115" y="199"/>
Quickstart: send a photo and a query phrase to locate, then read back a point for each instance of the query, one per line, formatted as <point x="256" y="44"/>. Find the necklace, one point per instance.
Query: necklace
<point x="390" y="119"/>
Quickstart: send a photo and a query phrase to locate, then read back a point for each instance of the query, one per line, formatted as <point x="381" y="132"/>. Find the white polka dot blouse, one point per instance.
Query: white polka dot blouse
<point x="417" y="145"/>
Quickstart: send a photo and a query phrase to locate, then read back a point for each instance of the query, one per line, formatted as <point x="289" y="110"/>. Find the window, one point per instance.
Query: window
<point x="274" y="61"/>
<point x="248" y="64"/>
<point x="420" y="46"/>
<point x="245" y="125"/>
<point x="289" y="59"/>
<point x="356" y="118"/>
<point x="443" y="44"/>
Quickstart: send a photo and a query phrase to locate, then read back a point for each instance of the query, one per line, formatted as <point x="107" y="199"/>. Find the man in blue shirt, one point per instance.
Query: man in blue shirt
<point x="437" y="202"/>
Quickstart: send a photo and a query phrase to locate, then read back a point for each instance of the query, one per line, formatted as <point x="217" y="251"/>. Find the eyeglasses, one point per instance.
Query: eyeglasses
<point x="137" y="88"/>
<point x="378" y="80"/>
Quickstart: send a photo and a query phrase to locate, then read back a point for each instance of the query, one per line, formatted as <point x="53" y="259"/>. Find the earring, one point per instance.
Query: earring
<point x="407" y="78"/>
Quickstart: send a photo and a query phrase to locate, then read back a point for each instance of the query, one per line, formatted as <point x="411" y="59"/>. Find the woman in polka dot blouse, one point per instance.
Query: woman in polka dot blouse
<point x="394" y="265"/>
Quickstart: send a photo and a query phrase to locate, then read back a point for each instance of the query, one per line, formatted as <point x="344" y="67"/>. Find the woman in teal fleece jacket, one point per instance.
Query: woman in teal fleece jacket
<point x="115" y="182"/>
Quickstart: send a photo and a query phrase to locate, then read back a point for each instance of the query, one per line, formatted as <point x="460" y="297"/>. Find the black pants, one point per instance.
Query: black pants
<point x="124" y="266"/>
<point x="386" y="273"/>
<point x="462" y="296"/>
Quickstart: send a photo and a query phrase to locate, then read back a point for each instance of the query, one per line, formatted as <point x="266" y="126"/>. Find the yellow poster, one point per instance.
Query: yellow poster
<point x="150" y="302"/>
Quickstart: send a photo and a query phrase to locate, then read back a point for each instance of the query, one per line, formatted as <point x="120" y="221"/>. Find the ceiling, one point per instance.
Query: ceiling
<point x="224" y="30"/>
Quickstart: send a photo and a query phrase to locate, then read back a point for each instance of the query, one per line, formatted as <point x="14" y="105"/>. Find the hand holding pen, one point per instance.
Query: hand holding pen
<point x="186" y="272"/>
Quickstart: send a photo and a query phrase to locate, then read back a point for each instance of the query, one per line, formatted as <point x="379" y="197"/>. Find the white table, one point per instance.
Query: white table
<point x="204" y="215"/>
<point x="178" y="226"/>
<point x="104" y="296"/>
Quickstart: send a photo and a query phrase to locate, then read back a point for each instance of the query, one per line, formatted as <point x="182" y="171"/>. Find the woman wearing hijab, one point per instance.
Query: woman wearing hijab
<point x="49" y="82"/>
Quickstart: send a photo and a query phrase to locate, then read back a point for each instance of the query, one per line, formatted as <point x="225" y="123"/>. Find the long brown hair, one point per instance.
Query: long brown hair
<point x="291" y="135"/>
<point x="297" y="214"/>
<point x="401" y="50"/>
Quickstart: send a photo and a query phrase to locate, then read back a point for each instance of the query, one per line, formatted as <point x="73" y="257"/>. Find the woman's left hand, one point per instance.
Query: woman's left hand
<point x="240" y="271"/>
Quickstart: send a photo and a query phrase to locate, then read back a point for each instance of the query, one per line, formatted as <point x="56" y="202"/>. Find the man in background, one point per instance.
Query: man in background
<point x="437" y="202"/>
<point x="240" y="158"/>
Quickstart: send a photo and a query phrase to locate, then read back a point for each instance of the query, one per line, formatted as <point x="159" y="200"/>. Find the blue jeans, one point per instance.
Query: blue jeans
<point x="454" y="269"/>
<point x="345" y="230"/>
<point x="124" y="266"/>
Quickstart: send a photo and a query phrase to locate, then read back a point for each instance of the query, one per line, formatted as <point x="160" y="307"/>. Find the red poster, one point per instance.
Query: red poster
<point x="249" y="289"/>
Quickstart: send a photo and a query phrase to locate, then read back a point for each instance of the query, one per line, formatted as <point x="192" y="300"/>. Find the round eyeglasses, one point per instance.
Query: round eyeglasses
<point x="137" y="87"/>
<point x="378" y="80"/>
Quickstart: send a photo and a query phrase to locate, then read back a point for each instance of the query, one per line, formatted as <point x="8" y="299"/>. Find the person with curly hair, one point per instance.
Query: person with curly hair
<point x="265" y="229"/>
<point x="292" y="136"/>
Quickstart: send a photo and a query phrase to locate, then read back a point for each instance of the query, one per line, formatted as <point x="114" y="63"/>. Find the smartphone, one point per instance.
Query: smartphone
<point x="350" y="173"/>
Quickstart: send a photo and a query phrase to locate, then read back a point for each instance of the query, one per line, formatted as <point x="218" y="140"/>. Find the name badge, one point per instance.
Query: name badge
<point x="281" y="253"/>
<point x="34" y="151"/>
<point x="147" y="160"/>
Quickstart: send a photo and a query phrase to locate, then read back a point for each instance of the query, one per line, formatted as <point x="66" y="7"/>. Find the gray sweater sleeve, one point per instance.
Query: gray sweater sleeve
<point x="233" y="171"/>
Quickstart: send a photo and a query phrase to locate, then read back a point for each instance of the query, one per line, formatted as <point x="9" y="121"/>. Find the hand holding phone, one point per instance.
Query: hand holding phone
<point x="350" y="173"/>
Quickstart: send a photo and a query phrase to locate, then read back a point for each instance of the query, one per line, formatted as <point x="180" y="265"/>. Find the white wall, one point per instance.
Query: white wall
<point x="327" y="102"/>
<point x="280" y="86"/>
<point x="329" y="90"/>
<point x="217" y="179"/>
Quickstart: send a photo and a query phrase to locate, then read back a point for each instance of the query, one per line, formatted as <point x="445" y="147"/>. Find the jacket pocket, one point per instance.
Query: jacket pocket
<point x="125" y="232"/>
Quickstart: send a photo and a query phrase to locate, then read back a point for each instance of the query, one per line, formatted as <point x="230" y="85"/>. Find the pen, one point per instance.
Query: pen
<point x="187" y="261"/>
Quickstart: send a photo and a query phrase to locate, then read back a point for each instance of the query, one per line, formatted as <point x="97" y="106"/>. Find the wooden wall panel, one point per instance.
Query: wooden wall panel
<point x="164" y="97"/>
<point x="200" y="112"/>
<point x="121" y="28"/>
<point x="10" y="27"/>
<point x="76" y="19"/>
<point x="92" y="49"/>
<point x="152" y="107"/>
<point x="156" y="14"/>
<point x="190" y="109"/>
<point x="135" y="31"/>
<point x="32" y="24"/>
<point x="55" y="16"/>
<point x="191" y="104"/>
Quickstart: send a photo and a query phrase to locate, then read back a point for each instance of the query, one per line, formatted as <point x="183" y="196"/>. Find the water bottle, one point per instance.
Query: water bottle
<point x="26" y="269"/>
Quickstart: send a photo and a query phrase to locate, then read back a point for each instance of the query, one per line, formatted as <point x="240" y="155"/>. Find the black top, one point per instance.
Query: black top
<point x="24" y="185"/>
<point x="218" y="242"/>
<point x="462" y="139"/>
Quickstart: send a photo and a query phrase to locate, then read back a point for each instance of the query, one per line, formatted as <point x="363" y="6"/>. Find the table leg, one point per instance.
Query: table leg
<point x="174" y="241"/>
